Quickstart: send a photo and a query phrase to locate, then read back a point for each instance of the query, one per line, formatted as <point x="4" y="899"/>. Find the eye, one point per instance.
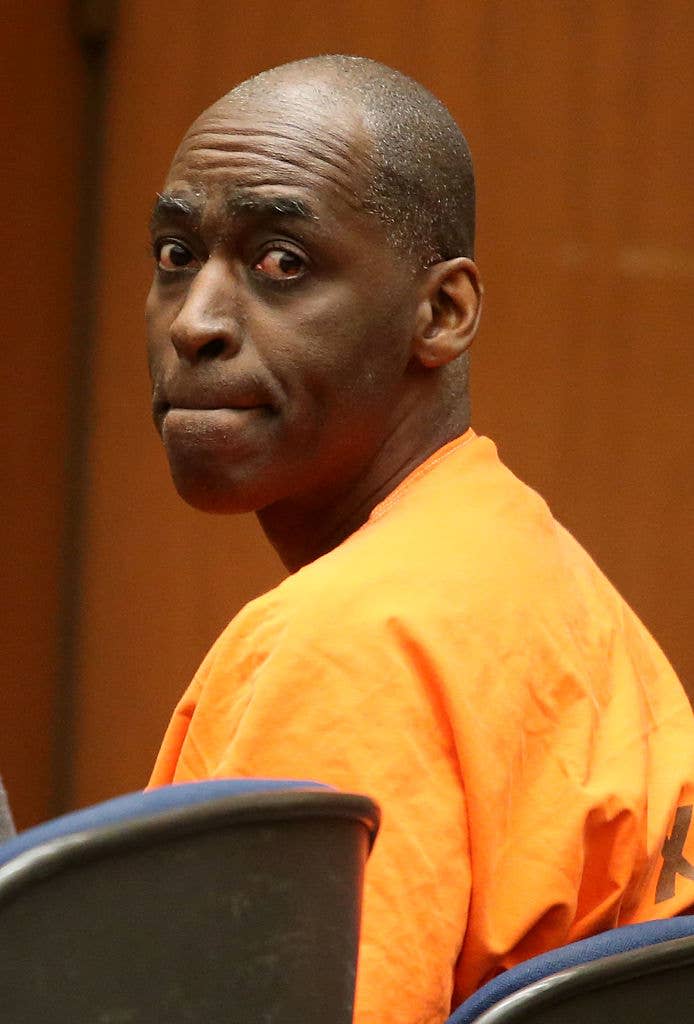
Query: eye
<point x="172" y="255"/>
<point x="281" y="264"/>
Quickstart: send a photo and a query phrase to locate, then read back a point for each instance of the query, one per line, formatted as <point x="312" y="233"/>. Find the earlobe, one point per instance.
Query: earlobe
<point x="449" y="313"/>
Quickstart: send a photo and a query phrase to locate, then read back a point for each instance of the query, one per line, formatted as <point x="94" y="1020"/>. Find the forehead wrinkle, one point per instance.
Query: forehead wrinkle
<point x="344" y="166"/>
<point x="262" y="170"/>
<point x="338" y="148"/>
<point x="340" y="158"/>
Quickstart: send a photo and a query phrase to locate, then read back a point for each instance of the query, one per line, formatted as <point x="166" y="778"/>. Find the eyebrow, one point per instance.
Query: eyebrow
<point x="169" y="205"/>
<point x="241" y="203"/>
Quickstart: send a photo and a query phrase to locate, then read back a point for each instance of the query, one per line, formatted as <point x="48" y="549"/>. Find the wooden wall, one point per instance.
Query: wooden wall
<point x="580" y="117"/>
<point x="41" y="111"/>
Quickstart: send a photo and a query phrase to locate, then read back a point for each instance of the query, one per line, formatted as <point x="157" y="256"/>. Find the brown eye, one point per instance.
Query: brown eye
<point x="281" y="264"/>
<point x="172" y="256"/>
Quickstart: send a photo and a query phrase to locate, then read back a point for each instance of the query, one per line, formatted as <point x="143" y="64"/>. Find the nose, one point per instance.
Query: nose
<point x="206" y="325"/>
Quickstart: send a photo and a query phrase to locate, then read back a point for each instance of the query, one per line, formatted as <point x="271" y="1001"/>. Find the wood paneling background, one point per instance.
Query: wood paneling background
<point x="41" y="110"/>
<point x="580" y="115"/>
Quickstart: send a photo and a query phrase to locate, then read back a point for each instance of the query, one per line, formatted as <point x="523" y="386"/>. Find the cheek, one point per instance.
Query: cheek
<point x="371" y="356"/>
<point x="152" y="315"/>
<point x="158" y="320"/>
<point x="350" y="340"/>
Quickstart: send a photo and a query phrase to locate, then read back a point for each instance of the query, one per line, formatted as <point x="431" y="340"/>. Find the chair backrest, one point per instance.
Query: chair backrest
<point x="642" y="972"/>
<point x="228" y="900"/>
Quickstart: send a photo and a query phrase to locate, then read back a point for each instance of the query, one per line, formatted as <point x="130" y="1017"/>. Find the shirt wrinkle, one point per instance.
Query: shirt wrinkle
<point x="467" y="665"/>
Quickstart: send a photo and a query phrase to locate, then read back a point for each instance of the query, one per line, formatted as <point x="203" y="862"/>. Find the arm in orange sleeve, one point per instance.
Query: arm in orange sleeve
<point x="350" y="708"/>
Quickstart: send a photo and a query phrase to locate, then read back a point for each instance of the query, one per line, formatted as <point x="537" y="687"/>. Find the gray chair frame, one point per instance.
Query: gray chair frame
<point x="238" y="909"/>
<point x="650" y="985"/>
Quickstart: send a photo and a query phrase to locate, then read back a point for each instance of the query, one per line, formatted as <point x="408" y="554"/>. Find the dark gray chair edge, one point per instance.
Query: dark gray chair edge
<point x="132" y="908"/>
<point x="595" y="976"/>
<point x="139" y="819"/>
<point x="554" y="992"/>
<point x="603" y="945"/>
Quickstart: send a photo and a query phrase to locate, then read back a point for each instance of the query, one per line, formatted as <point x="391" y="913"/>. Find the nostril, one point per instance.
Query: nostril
<point x="211" y="349"/>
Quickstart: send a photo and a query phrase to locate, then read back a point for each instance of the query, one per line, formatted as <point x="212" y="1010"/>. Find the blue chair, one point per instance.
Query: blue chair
<point x="637" y="974"/>
<point x="225" y="900"/>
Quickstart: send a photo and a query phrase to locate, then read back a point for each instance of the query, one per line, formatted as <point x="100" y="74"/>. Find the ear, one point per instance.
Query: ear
<point x="448" y="313"/>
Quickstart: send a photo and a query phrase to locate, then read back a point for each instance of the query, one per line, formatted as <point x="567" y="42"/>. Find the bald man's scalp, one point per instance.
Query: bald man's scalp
<point x="422" y="187"/>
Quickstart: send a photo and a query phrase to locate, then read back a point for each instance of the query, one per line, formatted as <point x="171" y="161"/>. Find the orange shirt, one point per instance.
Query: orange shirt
<point x="461" y="659"/>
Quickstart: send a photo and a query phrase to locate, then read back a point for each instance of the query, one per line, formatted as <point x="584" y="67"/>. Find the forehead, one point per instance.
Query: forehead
<point x="317" y="151"/>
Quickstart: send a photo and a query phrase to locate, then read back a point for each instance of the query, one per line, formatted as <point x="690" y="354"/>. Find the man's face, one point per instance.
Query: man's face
<point x="279" y="318"/>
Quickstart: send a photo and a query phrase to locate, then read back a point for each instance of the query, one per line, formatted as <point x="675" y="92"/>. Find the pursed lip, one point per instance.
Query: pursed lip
<point x="231" y="399"/>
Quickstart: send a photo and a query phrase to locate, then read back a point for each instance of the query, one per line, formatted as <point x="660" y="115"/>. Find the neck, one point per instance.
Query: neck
<point x="302" y="531"/>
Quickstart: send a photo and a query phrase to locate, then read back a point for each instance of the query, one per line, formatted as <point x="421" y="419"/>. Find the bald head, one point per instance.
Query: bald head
<point x="314" y="297"/>
<point x="419" y="181"/>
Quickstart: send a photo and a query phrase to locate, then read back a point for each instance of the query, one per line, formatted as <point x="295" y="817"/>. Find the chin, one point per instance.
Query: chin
<point x="215" y="501"/>
<point x="221" y="497"/>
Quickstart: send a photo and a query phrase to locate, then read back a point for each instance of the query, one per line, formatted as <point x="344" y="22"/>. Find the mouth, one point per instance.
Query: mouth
<point x="204" y="407"/>
<point x="201" y="429"/>
<point x="162" y="409"/>
<point x="205" y="416"/>
<point x="204" y="423"/>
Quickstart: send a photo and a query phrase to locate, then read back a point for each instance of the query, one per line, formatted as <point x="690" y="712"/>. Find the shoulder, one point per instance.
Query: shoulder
<point x="463" y="565"/>
<point x="465" y="539"/>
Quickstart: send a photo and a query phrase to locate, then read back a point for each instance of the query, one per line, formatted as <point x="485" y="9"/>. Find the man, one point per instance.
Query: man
<point x="441" y="643"/>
